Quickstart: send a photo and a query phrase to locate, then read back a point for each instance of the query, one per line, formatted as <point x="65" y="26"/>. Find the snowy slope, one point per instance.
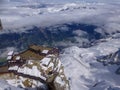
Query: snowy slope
<point x="85" y="73"/>
<point x="5" y="86"/>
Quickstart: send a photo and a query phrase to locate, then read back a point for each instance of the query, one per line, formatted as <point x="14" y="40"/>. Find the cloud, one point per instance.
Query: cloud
<point x="60" y="1"/>
<point x="105" y="16"/>
<point x="4" y="1"/>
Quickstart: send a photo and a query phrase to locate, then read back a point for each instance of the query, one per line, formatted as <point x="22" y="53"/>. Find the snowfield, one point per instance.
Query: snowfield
<point x="83" y="70"/>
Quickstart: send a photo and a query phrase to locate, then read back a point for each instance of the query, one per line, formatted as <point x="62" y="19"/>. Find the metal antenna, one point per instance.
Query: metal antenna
<point x="1" y="25"/>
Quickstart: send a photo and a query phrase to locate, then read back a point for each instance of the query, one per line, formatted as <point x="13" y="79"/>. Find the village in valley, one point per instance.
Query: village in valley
<point x="38" y="65"/>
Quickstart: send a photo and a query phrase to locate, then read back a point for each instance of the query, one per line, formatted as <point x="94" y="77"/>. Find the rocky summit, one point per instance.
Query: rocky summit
<point x="38" y="67"/>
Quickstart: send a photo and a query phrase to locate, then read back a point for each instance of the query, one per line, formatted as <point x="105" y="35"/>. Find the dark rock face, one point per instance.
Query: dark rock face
<point x="0" y="25"/>
<point x="113" y="58"/>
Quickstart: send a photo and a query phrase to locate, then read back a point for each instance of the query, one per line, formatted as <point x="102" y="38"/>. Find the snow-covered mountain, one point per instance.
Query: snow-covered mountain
<point x="86" y="73"/>
<point x="89" y="33"/>
<point x="5" y="86"/>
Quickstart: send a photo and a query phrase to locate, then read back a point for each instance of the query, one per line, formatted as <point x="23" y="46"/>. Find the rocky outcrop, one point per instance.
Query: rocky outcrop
<point x="60" y="82"/>
<point x="113" y="58"/>
<point x="48" y="71"/>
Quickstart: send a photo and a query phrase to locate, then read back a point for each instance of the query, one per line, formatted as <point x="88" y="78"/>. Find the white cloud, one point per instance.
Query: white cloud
<point x="60" y="1"/>
<point x="106" y="16"/>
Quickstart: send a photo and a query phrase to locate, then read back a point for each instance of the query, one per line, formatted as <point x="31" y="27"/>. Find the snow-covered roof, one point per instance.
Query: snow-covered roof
<point x="20" y="70"/>
<point x="43" y="67"/>
<point x="60" y="81"/>
<point x="50" y="55"/>
<point x="51" y="65"/>
<point x="13" y="68"/>
<point x="30" y="62"/>
<point x="43" y="77"/>
<point x="18" y="58"/>
<point x="59" y="65"/>
<point x="31" y="72"/>
<point x="45" y="51"/>
<point x="9" y="57"/>
<point x="45" y="61"/>
<point x="46" y="65"/>
<point x="10" y="53"/>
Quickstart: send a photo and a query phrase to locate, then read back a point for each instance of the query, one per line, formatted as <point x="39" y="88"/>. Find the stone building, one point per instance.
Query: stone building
<point x="38" y="63"/>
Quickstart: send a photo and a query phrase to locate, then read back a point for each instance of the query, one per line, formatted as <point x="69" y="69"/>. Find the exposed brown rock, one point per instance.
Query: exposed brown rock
<point x="47" y="70"/>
